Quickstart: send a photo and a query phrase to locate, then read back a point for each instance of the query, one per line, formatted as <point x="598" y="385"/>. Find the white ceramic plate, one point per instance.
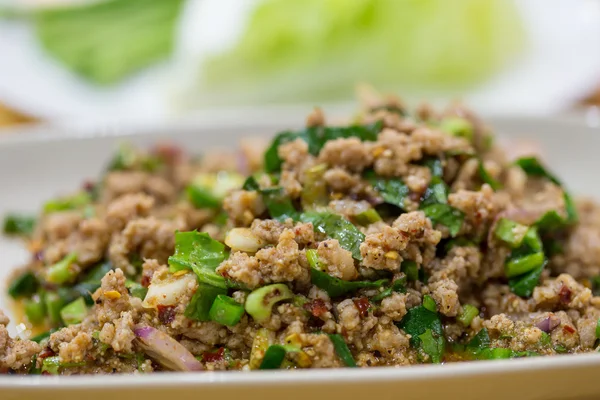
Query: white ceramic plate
<point x="40" y="164"/>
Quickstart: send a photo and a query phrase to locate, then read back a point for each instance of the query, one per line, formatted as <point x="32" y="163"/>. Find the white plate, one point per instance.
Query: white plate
<point x="38" y="165"/>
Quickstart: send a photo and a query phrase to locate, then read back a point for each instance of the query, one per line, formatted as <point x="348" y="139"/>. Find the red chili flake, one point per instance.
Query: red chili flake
<point x="316" y="307"/>
<point x="568" y="329"/>
<point x="166" y="314"/>
<point x="363" y="306"/>
<point x="213" y="356"/>
<point x="565" y="294"/>
<point x="145" y="281"/>
<point x="47" y="352"/>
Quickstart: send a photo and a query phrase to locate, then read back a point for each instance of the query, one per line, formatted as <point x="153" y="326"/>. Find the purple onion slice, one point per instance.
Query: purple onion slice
<point x="165" y="350"/>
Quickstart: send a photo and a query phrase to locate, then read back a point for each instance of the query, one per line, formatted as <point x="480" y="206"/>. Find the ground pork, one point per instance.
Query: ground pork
<point x="126" y="208"/>
<point x="112" y="298"/>
<point x="242" y="207"/>
<point x="336" y="261"/>
<point x="479" y="209"/>
<point x="445" y="294"/>
<point x="148" y="237"/>
<point x="14" y="353"/>
<point x="351" y="154"/>
<point x="118" y="183"/>
<point x="562" y="292"/>
<point x="410" y="237"/>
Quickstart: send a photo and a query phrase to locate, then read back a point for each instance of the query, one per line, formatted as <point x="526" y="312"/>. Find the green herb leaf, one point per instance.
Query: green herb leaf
<point x="446" y="215"/>
<point x="393" y="191"/>
<point x="74" y="312"/>
<point x="316" y="137"/>
<point x="200" y="253"/>
<point x="279" y="205"/>
<point x="435" y="166"/>
<point x="251" y="184"/>
<point x="419" y="320"/>
<point x="336" y="227"/>
<point x="436" y="193"/>
<point x="342" y="350"/>
<point x="468" y="313"/>
<point x="19" y="224"/>
<point x="411" y="269"/>
<point x="74" y="202"/>
<point x="399" y="285"/>
<point x="523" y="285"/>
<point x="202" y="301"/>
<point x="479" y="342"/>
<point x="336" y="287"/>
<point x="429" y="303"/>
<point x="62" y="272"/>
<point x="23" y="285"/>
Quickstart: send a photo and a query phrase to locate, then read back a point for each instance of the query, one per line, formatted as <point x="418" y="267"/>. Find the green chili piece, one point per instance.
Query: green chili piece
<point x="429" y="303"/>
<point x="260" y="302"/>
<point x="61" y="272"/>
<point x="273" y="357"/>
<point x="342" y="350"/>
<point x="523" y="264"/>
<point x="74" y="312"/>
<point x="35" y="310"/>
<point x="367" y="217"/>
<point x="226" y="311"/>
<point x="468" y="313"/>
<point x="510" y="232"/>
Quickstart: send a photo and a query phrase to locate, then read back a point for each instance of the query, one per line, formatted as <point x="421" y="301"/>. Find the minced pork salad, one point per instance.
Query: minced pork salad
<point x="405" y="237"/>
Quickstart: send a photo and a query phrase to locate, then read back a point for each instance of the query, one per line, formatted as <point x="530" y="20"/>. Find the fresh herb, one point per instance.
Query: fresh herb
<point x="398" y="286"/>
<point x="410" y="269"/>
<point x="314" y="192"/>
<point x="487" y="178"/>
<point x="520" y="265"/>
<point x="510" y="232"/>
<point x="479" y="342"/>
<point x="316" y="137"/>
<point x="436" y="193"/>
<point x="74" y="312"/>
<point x="43" y="336"/>
<point x="35" y="309"/>
<point x="209" y="190"/>
<point x="202" y="301"/>
<point x="136" y="290"/>
<point x="279" y="204"/>
<point x="23" y="285"/>
<point x="429" y="303"/>
<point x="446" y="215"/>
<point x="54" y="303"/>
<point x="435" y="166"/>
<point x="342" y="350"/>
<point x="393" y="191"/>
<point x="273" y="357"/>
<point x="417" y="321"/>
<point x="598" y="329"/>
<point x="595" y="280"/>
<point x="91" y="282"/>
<point x="336" y="227"/>
<point x="74" y="202"/>
<point x="251" y="184"/>
<point x="260" y="302"/>
<point x="200" y="253"/>
<point x="226" y="311"/>
<point x="523" y="285"/>
<point x="19" y="224"/>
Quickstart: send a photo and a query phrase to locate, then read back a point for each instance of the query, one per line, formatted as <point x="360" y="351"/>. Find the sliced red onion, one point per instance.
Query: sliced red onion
<point x="548" y="324"/>
<point x="166" y="350"/>
<point x="518" y="215"/>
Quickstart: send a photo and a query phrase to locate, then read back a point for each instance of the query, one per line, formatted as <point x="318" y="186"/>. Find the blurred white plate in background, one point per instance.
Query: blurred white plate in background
<point x="561" y="65"/>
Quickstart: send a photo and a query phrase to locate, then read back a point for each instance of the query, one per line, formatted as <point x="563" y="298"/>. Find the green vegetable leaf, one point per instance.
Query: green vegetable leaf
<point x="23" y="285"/>
<point x="316" y="137"/>
<point x="393" y="191"/>
<point x="435" y="166"/>
<point x="336" y="227"/>
<point x="523" y="285"/>
<point x="19" y="224"/>
<point x="479" y="342"/>
<point x="417" y="321"/>
<point x="199" y="252"/>
<point x="336" y="287"/>
<point x="399" y="285"/>
<point x="436" y="193"/>
<point x="250" y="184"/>
<point x="74" y="312"/>
<point x="446" y="215"/>
<point x="279" y="205"/>
<point x="74" y="202"/>
<point x="202" y="301"/>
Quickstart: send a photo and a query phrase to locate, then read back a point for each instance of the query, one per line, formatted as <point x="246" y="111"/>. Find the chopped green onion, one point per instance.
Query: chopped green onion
<point x="510" y="232"/>
<point x="342" y="350"/>
<point x="523" y="285"/>
<point x="74" y="312"/>
<point x="52" y="365"/>
<point x="523" y="264"/>
<point x="260" y="344"/>
<point x="19" y="224"/>
<point x="201" y="197"/>
<point x="487" y="178"/>
<point x="314" y="192"/>
<point x="457" y="126"/>
<point x="367" y="217"/>
<point x="336" y="287"/>
<point x="226" y="311"/>
<point x="23" y="285"/>
<point x="468" y="313"/>
<point x="273" y="357"/>
<point x="209" y="190"/>
<point x="61" y="272"/>
<point x="429" y="303"/>
<point x="410" y="269"/>
<point x="74" y="202"/>
<point x="598" y="329"/>
<point x="54" y="303"/>
<point x="260" y="302"/>
<point x="202" y="301"/>
<point x="35" y="310"/>
<point x="313" y="259"/>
